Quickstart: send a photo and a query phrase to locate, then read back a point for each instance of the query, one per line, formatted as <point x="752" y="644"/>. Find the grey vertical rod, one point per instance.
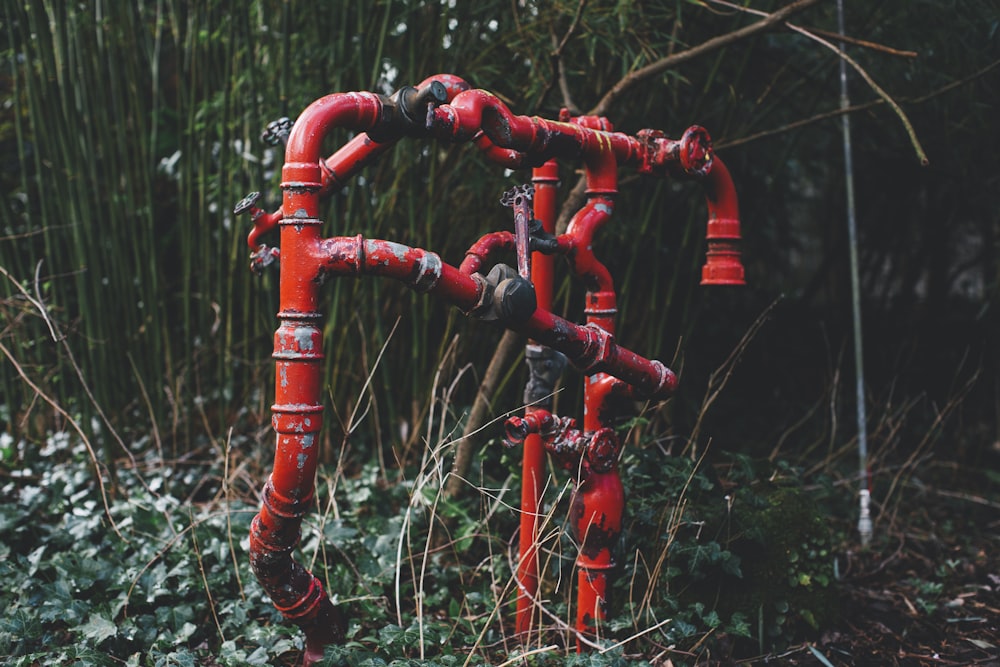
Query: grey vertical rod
<point x="864" y="495"/>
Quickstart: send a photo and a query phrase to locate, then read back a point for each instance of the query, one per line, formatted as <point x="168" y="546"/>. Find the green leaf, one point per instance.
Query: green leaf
<point x="98" y="628"/>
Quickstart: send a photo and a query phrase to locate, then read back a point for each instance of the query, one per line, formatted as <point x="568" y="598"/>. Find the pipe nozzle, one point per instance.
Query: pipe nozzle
<point x="723" y="265"/>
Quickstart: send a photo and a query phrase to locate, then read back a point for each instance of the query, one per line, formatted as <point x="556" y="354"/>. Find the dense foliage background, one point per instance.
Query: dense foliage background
<point x="129" y="318"/>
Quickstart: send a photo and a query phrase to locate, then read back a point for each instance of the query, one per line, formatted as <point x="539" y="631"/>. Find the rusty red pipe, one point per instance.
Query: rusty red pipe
<point x="722" y="262"/>
<point x="484" y="248"/>
<point x="307" y="258"/>
<point x="350" y="158"/>
<point x="532" y="140"/>
<point x="538" y="396"/>
<point x="579" y="239"/>
<point x="297" y="411"/>
<point x="589" y="347"/>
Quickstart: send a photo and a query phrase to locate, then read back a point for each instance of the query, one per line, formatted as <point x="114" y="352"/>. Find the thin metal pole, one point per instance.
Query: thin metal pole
<point x="864" y="517"/>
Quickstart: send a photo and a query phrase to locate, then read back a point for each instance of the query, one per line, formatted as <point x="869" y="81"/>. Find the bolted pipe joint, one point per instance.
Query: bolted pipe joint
<point x="545" y="366"/>
<point x="583" y="452"/>
<point x="723" y="263"/>
<point x="405" y="112"/>
<point x="506" y="297"/>
<point x="517" y="429"/>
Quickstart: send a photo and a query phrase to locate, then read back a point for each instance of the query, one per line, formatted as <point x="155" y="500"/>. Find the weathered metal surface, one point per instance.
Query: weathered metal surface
<point x="446" y="108"/>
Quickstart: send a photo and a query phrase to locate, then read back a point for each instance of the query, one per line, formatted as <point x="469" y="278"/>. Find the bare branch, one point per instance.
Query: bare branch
<point x="629" y="81"/>
<point x="864" y="43"/>
<point x="98" y="469"/>
<point x="833" y="113"/>
<point x="921" y="155"/>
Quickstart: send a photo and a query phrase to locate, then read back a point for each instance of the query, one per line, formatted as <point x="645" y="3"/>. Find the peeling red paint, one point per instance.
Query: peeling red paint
<point x="457" y="113"/>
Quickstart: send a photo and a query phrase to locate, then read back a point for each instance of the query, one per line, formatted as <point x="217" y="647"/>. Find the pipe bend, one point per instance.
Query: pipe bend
<point x="580" y="233"/>
<point x="723" y="265"/>
<point x="720" y="192"/>
<point x="462" y="119"/>
<point x="359" y="111"/>
<point x="483" y="249"/>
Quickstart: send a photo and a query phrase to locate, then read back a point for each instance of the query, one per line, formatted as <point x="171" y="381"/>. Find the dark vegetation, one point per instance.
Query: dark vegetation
<point x="136" y="370"/>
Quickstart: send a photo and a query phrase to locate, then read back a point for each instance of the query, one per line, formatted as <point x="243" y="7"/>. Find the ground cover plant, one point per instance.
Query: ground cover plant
<point x="135" y="373"/>
<point x="723" y="563"/>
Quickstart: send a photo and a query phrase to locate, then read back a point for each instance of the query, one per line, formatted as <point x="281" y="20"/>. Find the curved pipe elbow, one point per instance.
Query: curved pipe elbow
<point x="483" y="249"/>
<point x="723" y="264"/>
<point x="580" y="233"/>
<point x="720" y="192"/>
<point x="462" y="118"/>
<point x="358" y="111"/>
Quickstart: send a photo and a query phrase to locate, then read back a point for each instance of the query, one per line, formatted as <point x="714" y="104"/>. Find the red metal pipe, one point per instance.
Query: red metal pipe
<point x="546" y="180"/>
<point x="535" y="140"/>
<point x="596" y="513"/>
<point x="722" y="260"/>
<point x="589" y="347"/>
<point x="297" y="411"/>
<point x="484" y="248"/>
<point x="306" y="259"/>
<point x="350" y="158"/>
<point x="579" y="239"/>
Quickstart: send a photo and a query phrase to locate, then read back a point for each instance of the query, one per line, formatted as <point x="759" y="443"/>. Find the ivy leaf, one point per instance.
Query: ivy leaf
<point x="98" y="628"/>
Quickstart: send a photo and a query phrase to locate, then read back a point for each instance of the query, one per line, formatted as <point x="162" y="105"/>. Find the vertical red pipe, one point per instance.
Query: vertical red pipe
<point x="546" y="181"/>
<point x="599" y="500"/>
<point x="297" y="420"/>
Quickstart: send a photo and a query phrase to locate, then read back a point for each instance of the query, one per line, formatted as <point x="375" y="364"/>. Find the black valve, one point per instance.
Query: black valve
<point x="277" y="131"/>
<point x="248" y="205"/>
<point x="514" y="300"/>
<point x="540" y="240"/>
<point x="506" y="297"/>
<point x="413" y="102"/>
<point x="404" y="113"/>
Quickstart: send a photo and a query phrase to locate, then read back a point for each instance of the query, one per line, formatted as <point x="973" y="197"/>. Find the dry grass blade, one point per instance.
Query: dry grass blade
<point x="98" y="469"/>
<point x="720" y="377"/>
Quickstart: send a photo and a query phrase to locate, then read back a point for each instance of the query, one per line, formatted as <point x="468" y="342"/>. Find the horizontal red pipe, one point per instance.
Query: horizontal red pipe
<point x="590" y="348"/>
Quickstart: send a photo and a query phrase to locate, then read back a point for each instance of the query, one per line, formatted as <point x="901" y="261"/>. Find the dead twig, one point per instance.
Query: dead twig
<point x="864" y="43"/>
<point x="911" y="133"/>
<point x="632" y="79"/>
<point x="98" y="471"/>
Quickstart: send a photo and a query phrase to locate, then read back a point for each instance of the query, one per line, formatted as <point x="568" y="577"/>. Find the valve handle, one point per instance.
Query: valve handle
<point x="277" y="131"/>
<point x="248" y="205"/>
<point x="262" y="258"/>
<point x="519" y="198"/>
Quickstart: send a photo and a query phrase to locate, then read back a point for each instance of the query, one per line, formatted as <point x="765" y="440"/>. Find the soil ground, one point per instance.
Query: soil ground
<point x="926" y="593"/>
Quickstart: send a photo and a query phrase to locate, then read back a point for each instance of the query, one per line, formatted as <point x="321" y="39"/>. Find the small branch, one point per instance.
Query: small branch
<point x="921" y="155"/>
<point x="864" y="43"/>
<point x="558" y="67"/>
<point x="857" y="107"/>
<point x="572" y="28"/>
<point x="98" y="470"/>
<point x="505" y="351"/>
<point x="632" y="79"/>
